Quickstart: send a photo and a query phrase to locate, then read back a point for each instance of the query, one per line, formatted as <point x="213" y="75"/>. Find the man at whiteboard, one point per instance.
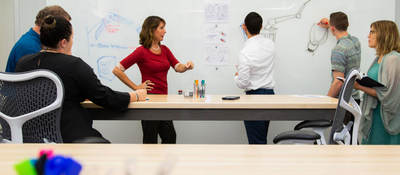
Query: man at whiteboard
<point x="346" y="55"/>
<point x="255" y="72"/>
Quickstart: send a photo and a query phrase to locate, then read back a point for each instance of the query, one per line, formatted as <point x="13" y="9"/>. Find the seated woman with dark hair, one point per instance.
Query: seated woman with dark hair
<point x="80" y="82"/>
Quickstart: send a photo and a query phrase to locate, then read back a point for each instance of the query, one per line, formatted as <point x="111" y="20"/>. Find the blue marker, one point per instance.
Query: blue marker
<point x="243" y="32"/>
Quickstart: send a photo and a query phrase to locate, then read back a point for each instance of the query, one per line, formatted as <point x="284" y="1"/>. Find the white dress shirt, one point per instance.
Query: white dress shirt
<point x="255" y="66"/>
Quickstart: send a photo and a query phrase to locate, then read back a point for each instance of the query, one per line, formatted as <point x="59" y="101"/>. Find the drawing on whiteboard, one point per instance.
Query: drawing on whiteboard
<point x="216" y="11"/>
<point x="270" y="28"/>
<point x="112" y="31"/>
<point x="105" y="65"/>
<point x="317" y="37"/>
<point x="110" y="24"/>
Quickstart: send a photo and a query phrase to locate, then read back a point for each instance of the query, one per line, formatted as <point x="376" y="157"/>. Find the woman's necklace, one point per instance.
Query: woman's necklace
<point x="155" y="48"/>
<point x="45" y="49"/>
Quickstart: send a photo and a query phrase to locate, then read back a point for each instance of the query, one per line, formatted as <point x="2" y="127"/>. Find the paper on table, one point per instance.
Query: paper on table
<point x="311" y="96"/>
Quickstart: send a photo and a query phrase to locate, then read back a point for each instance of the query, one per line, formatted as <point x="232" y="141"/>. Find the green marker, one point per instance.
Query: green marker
<point x="25" y="168"/>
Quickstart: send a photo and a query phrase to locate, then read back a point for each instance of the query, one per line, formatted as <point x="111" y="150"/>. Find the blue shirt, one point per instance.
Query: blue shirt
<point x="29" y="43"/>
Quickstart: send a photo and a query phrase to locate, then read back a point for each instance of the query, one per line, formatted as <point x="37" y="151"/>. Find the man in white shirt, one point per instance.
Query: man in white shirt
<point x="255" y="72"/>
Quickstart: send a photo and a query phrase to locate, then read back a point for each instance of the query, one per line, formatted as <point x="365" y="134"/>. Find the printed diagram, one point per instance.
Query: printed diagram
<point x="270" y="28"/>
<point x="216" y="33"/>
<point x="216" y="14"/>
<point x="216" y="11"/>
<point x="105" y="65"/>
<point x="217" y="55"/>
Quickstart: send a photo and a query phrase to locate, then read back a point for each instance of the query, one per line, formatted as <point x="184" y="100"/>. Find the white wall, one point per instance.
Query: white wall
<point x="6" y="31"/>
<point x="25" y="14"/>
<point x="398" y="13"/>
<point x="16" y="19"/>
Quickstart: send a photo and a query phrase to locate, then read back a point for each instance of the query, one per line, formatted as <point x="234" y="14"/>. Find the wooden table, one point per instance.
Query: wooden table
<point x="248" y="107"/>
<point x="217" y="159"/>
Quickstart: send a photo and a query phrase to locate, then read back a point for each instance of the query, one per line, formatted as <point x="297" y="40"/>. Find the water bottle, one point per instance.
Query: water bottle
<point x="203" y="89"/>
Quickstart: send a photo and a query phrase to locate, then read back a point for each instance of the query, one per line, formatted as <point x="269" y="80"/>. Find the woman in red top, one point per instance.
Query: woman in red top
<point x="154" y="61"/>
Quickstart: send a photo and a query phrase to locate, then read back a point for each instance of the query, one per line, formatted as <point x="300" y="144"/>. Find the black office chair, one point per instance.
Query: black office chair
<point x="30" y="107"/>
<point x="339" y="133"/>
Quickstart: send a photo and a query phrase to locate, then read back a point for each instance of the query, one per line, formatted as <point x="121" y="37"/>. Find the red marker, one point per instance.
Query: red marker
<point x="325" y="23"/>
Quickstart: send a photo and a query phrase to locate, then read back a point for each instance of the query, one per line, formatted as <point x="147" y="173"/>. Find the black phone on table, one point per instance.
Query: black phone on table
<point x="230" y="97"/>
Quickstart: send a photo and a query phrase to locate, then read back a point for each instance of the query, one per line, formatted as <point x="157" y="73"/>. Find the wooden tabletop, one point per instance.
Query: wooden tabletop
<point x="216" y="159"/>
<point x="245" y="102"/>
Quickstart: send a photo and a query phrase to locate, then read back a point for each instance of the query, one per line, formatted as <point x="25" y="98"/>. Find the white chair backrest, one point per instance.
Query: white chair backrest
<point x="30" y="106"/>
<point x="346" y="103"/>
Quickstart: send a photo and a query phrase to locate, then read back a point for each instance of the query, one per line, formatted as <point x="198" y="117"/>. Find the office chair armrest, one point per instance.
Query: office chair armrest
<point x="297" y="135"/>
<point x="4" y="140"/>
<point x="313" y="124"/>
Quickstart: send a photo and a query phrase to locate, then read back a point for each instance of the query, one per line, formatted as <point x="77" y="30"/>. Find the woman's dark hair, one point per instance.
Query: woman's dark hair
<point x="150" y="24"/>
<point x="53" y="30"/>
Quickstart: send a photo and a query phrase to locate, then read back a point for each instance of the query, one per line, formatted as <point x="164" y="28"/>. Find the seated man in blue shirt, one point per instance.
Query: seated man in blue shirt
<point x="29" y="43"/>
<point x="255" y="72"/>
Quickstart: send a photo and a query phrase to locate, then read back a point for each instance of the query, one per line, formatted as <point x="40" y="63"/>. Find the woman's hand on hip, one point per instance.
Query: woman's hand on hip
<point x="148" y="85"/>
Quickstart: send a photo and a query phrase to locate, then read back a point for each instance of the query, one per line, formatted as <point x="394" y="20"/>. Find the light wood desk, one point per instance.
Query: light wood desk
<point x="218" y="159"/>
<point x="248" y="107"/>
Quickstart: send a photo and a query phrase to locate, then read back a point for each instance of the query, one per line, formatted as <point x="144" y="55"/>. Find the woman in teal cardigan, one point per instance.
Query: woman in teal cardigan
<point x="380" y="123"/>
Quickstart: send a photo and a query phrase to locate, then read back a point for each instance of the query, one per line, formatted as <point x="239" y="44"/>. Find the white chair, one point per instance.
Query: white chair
<point x="339" y="133"/>
<point x="30" y="107"/>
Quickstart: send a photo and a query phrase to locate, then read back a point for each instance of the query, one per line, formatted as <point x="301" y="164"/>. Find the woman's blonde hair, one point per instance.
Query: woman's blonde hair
<point x="150" y="24"/>
<point x="387" y="37"/>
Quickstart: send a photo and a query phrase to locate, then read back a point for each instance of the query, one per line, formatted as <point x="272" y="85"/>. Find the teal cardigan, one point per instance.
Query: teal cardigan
<point x="388" y="96"/>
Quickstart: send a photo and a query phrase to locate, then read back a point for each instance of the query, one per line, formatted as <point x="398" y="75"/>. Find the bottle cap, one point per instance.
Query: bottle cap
<point x="62" y="165"/>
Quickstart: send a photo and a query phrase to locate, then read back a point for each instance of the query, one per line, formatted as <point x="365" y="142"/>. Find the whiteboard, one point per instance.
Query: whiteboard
<point x="107" y="31"/>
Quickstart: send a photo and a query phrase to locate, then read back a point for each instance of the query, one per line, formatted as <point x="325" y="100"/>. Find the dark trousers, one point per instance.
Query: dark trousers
<point x="151" y="129"/>
<point x="257" y="131"/>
